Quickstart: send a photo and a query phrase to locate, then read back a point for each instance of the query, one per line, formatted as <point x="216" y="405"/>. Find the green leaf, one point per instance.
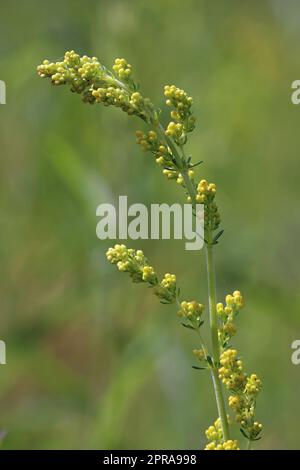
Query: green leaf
<point x="196" y="164"/>
<point x="169" y="169"/>
<point x="210" y="361"/>
<point x="215" y="240"/>
<point x="199" y="368"/>
<point x="186" y="325"/>
<point x="244" y="434"/>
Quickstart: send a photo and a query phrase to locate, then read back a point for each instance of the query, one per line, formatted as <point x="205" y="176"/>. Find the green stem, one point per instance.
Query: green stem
<point x="203" y="345"/>
<point x="212" y="297"/>
<point x="213" y="319"/>
<point x="189" y="186"/>
<point x="214" y="336"/>
<point x="249" y="444"/>
<point x="220" y="403"/>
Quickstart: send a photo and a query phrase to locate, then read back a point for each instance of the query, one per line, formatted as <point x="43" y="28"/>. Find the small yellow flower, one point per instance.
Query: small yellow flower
<point x="229" y="300"/>
<point x="199" y="353"/>
<point x="160" y="160"/>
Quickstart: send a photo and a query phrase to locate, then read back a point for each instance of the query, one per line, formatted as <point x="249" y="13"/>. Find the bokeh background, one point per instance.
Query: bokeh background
<point x="94" y="361"/>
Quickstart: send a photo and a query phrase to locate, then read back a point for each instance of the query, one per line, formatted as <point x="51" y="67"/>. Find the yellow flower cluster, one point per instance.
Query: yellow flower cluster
<point x="122" y="69"/>
<point x="149" y="142"/>
<point x="181" y="104"/>
<point x="167" y="290"/>
<point x="89" y="67"/>
<point x="227" y="445"/>
<point x="130" y="103"/>
<point x="169" y="281"/>
<point x="253" y="385"/>
<point x="149" y="275"/>
<point x="163" y="157"/>
<point x="171" y="174"/>
<point x="133" y="262"/>
<point x="226" y="314"/>
<point x="235" y="402"/>
<point x="244" y="391"/>
<point x="191" y="311"/>
<point x="120" y="253"/>
<point x="205" y="194"/>
<point x="235" y="300"/>
<point x="215" y="435"/>
<point x="175" y="130"/>
<point x="78" y="72"/>
<point x="96" y="84"/>
<point x="214" y="432"/>
<point x="178" y="98"/>
<point x="113" y="96"/>
<point x="85" y="75"/>
<point x="244" y="406"/>
<point x="231" y="370"/>
<point x="136" y="264"/>
<point x="199" y="353"/>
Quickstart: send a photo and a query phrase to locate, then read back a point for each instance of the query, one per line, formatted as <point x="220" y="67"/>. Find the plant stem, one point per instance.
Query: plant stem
<point x="214" y="336"/>
<point x="213" y="319"/>
<point x="220" y="403"/>
<point x="189" y="186"/>
<point x="202" y="343"/>
<point x="212" y="297"/>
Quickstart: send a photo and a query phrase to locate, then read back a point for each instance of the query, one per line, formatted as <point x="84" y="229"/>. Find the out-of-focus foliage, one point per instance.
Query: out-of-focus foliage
<point x="93" y="361"/>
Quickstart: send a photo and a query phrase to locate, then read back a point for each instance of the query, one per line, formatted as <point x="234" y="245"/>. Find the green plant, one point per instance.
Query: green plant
<point x="96" y="84"/>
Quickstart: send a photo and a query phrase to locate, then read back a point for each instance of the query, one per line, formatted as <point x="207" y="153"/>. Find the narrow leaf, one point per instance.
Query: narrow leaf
<point x="186" y="325"/>
<point x="210" y="361"/>
<point x="244" y="434"/>
<point x="196" y="164"/>
<point x="217" y="236"/>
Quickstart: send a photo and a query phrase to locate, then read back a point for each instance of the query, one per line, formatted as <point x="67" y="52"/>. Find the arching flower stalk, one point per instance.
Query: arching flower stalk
<point x="96" y="84"/>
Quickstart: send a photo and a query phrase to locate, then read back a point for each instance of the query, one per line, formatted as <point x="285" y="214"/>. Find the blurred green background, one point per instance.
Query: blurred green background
<point x="94" y="361"/>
